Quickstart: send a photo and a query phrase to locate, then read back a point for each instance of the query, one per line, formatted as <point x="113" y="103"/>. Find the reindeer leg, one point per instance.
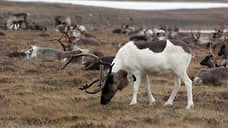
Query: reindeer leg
<point x="146" y="83"/>
<point x="177" y="84"/>
<point x="136" y="88"/>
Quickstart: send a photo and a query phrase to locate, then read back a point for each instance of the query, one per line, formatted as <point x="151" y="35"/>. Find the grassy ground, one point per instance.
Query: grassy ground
<point x="36" y="94"/>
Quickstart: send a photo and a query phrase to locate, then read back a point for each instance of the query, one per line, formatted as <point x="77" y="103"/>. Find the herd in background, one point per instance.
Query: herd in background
<point x="89" y="59"/>
<point x="73" y="35"/>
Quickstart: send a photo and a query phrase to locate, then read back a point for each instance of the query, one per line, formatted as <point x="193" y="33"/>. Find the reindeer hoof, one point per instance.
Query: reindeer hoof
<point x="168" y="104"/>
<point x="133" y="103"/>
<point x="189" y="106"/>
<point x="151" y="102"/>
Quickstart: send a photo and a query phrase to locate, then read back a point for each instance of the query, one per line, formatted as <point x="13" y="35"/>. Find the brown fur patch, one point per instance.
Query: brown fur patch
<point x="121" y="77"/>
<point x="182" y="44"/>
<point x="155" y="46"/>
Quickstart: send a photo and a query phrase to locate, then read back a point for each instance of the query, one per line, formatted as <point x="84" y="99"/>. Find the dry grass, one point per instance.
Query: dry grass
<point x="36" y="94"/>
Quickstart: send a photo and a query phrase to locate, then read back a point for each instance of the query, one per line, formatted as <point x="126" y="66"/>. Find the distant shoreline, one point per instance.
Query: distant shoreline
<point x="138" y="5"/>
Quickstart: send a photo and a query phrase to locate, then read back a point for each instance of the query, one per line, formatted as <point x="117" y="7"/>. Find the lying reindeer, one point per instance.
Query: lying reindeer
<point x="211" y="62"/>
<point x="214" y="76"/>
<point x="63" y="56"/>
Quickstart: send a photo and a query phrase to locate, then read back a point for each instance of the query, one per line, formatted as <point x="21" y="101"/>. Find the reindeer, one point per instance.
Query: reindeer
<point x="63" y="56"/>
<point x="213" y="59"/>
<point x="219" y="33"/>
<point x="197" y="38"/>
<point x="16" y="54"/>
<point x="35" y="26"/>
<point x="61" y="20"/>
<point x="140" y="59"/>
<point x="143" y="35"/>
<point x="149" y="35"/>
<point x="215" y="76"/>
<point x="15" y="21"/>
<point x="124" y="29"/>
<point x="210" y="61"/>
<point x="35" y="51"/>
<point x="75" y="35"/>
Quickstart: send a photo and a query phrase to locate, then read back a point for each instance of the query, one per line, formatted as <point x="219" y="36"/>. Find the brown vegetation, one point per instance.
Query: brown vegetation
<point x="35" y="94"/>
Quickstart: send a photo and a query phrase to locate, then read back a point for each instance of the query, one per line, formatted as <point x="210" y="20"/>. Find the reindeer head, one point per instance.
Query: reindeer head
<point x="31" y="52"/>
<point x="208" y="61"/>
<point x="108" y="84"/>
<point x="196" y="36"/>
<point x="115" y="81"/>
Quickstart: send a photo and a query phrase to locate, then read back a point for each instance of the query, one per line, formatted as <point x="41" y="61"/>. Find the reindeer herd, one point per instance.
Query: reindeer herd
<point x="157" y="51"/>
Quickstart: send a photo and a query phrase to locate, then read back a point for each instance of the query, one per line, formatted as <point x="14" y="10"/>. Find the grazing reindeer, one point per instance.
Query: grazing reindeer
<point x="15" y="21"/>
<point x="215" y="76"/>
<point x="140" y="59"/>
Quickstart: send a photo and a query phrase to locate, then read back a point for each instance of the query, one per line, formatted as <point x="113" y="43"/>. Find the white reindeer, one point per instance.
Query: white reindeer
<point x="141" y="59"/>
<point x="63" y="56"/>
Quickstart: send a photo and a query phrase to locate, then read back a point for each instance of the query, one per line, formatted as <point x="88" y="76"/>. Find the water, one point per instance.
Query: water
<point x="134" y="5"/>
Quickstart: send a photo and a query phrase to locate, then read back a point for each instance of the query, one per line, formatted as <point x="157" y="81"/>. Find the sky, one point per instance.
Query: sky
<point x="134" y="5"/>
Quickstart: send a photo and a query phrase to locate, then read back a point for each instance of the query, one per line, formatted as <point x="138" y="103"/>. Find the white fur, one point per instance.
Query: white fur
<point x="82" y="28"/>
<point x="197" y="81"/>
<point x="149" y="32"/>
<point x="158" y="30"/>
<point x="141" y="62"/>
<point x="142" y="32"/>
<point x="204" y="39"/>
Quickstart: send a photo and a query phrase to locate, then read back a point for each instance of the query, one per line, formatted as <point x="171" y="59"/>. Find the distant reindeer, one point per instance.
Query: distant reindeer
<point x="17" y="20"/>
<point x="218" y="32"/>
<point x="35" y="26"/>
<point x="197" y="39"/>
<point x="143" y="35"/>
<point x="214" y="76"/>
<point x="210" y="61"/>
<point x="64" y="56"/>
<point x="124" y="29"/>
<point x="35" y="51"/>
<point x="16" y="54"/>
<point x="62" y="20"/>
